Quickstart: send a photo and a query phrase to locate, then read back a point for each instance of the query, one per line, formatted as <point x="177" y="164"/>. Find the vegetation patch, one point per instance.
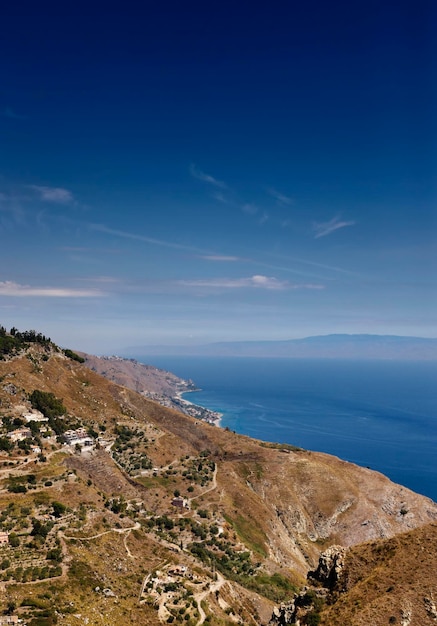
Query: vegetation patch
<point x="252" y="536"/>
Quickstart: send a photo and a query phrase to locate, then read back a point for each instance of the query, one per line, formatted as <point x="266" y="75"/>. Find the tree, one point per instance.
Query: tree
<point x="6" y="444"/>
<point x="73" y="356"/>
<point x="58" y="509"/>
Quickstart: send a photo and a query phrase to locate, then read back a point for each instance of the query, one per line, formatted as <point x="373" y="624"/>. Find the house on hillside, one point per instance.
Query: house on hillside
<point x="35" y="416"/>
<point x="20" y="434"/>
<point x="180" y="502"/>
<point x="79" y="436"/>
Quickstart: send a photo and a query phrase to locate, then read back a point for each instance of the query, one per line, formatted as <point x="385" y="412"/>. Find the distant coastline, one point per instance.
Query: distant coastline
<point x="197" y="411"/>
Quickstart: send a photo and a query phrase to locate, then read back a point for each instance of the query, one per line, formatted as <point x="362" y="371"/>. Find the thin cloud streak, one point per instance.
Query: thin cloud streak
<point x="322" y="229"/>
<point x="217" y="195"/>
<point x="280" y="198"/>
<point x="324" y="266"/>
<point x="157" y="242"/>
<point x="250" y="209"/>
<point x="206" y="178"/>
<point x="53" y="194"/>
<point x="202" y="253"/>
<point x="220" y="258"/>
<point x="15" y="290"/>
<point x="100" y="279"/>
<point x="257" y="281"/>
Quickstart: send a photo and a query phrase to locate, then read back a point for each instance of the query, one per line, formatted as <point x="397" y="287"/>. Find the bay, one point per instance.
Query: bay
<point x="379" y="414"/>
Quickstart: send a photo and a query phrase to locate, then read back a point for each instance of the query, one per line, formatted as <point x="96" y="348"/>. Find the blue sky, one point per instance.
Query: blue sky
<point x="196" y="172"/>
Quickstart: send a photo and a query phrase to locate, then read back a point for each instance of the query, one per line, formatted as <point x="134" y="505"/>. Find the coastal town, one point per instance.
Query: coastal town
<point x="185" y="406"/>
<point x="152" y="382"/>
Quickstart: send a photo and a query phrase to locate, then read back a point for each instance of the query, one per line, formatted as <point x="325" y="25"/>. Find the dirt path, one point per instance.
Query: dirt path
<point x="218" y="584"/>
<point x="125" y="531"/>
<point x="208" y="489"/>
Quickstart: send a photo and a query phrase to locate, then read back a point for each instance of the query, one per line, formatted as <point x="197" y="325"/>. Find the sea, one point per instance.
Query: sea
<point x="378" y="414"/>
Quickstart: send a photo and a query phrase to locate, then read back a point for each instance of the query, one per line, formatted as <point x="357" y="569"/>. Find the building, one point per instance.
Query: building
<point x="20" y="434"/>
<point x="180" y="502"/>
<point x="35" y="416"/>
<point x="79" y="436"/>
<point x="4" y="537"/>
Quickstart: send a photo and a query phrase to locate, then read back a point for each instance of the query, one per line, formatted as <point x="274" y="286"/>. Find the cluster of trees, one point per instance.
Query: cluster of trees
<point x="47" y="403"/>
<point x="24" y="575"/>
<point x="53" y="408"/>
<point x="14" y="340"/>
<point x="30" y="336"/>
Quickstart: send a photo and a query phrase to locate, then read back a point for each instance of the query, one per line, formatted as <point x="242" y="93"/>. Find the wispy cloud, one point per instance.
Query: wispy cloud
<point x="157" y="242"/>
<point x="217" y="195"/>
<point x="263" y="219"/>
<point x="53" y="194"/>
<point x="220" y="257"/>
<point x="12" y="289"/>
<point x="106" y="280"/>
<point x="257" y="281"/>
<point x="322" y="229"/>
<point x="250" y="209"/>
<point x="280" y="198"/>
<point x="206" y="178"/>
<point x="323" y="266"/>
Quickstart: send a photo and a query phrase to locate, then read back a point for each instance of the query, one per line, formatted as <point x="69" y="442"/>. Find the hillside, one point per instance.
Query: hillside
<point x="137" y="376"/>
<point x="388" y="582"/>
<point x="151" y="516"/>
<point x="337" y="346"/>
<point x="152" y="382"/>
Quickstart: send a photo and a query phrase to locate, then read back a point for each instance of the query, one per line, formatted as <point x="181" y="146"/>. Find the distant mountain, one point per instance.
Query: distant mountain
<point x="340" y="346"/>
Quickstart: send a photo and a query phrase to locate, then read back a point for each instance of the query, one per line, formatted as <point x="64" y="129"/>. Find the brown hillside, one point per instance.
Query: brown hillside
<point x="389" y="582"/>
<point x="135" y="375"/>
<point x="259" y="515"/>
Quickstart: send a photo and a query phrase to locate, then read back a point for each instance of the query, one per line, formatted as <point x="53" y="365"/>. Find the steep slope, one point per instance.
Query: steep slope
<point x="137" y="376"/>
<point x="388" y="582"/>
<point x="248" y="519"/>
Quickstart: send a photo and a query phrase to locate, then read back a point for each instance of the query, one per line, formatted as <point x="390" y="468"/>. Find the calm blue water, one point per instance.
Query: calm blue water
<point x="380" y="414"/>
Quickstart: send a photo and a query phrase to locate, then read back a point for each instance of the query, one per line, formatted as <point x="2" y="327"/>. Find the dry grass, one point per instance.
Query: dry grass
<point x="387" y="578"/>
<point x="283" y="505"/>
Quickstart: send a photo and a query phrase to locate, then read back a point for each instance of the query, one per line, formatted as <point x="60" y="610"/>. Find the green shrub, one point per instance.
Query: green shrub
<point x="73" y="356"/>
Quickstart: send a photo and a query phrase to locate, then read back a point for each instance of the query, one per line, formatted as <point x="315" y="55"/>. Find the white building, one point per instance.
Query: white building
<point x="79" y="436"/>
<point x="35" y="416"/>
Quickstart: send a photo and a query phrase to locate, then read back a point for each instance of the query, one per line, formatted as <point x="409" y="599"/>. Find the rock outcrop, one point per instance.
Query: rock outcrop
<point x="330" y="567"/>
<point x="305" y="604"/>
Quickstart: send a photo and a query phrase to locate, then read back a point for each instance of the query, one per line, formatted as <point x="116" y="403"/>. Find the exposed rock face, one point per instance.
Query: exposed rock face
<point x="330" y="568"/>
<point x="307" y="602"/>
<point x="406" y="614"/>
<point x="284" y="614"/>
<point x="310" y="600"/>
